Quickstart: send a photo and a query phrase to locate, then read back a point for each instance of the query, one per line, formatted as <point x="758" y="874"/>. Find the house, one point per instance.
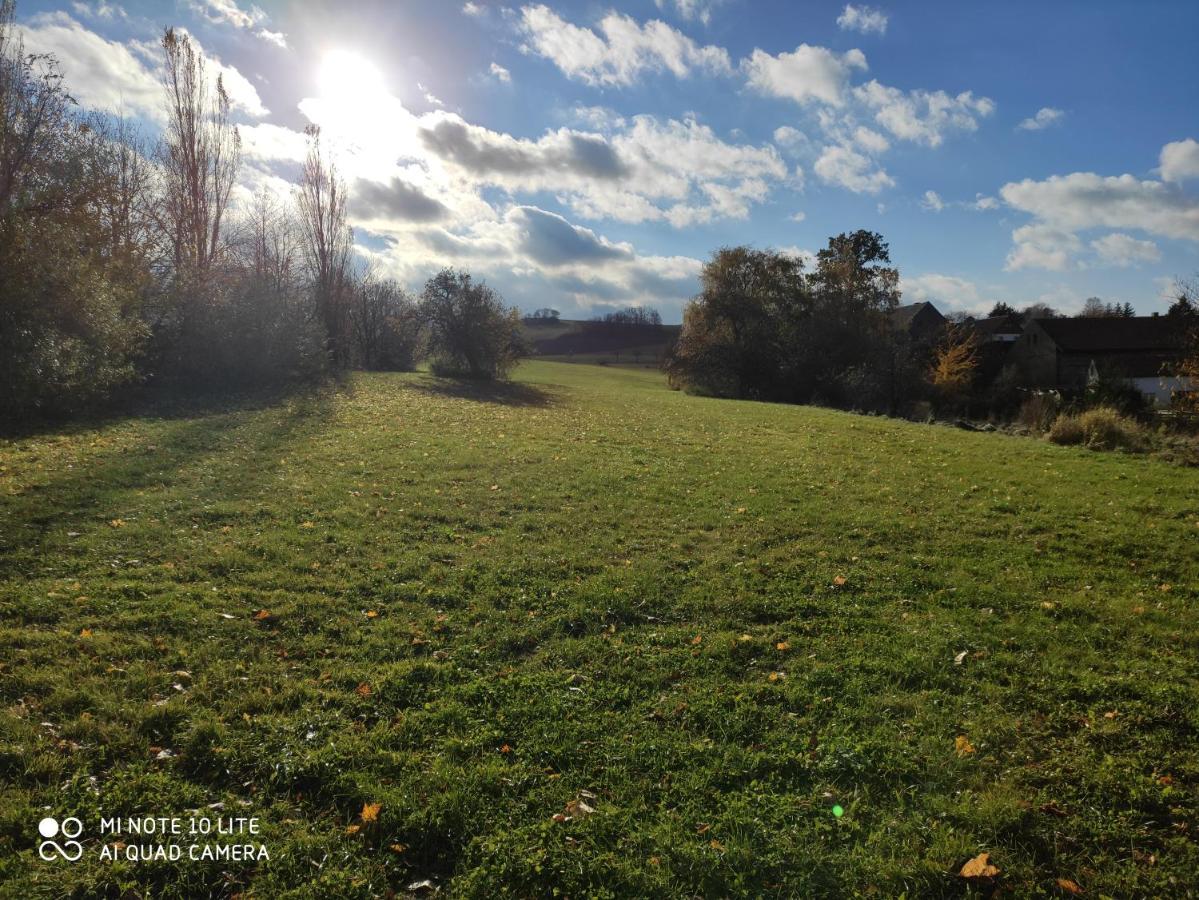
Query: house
<point x="1069" y="354"/>
<point x="920" y="321"/>
<point x="999" y="329"/>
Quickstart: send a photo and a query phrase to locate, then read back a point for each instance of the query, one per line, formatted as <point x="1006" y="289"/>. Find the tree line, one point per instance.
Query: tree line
<point x="125" y="260"/>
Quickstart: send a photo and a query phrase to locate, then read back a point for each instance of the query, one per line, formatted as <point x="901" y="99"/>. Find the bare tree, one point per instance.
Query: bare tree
<point x="321" y="198"/>
<point x="34" y="116"/>
<point x="200" y="154"/>
<point x="268" y="243"/>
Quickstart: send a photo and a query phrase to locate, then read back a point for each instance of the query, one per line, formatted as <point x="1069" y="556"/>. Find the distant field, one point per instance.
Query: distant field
<point x="711" y="623"/>
<point x="569" y="340"/>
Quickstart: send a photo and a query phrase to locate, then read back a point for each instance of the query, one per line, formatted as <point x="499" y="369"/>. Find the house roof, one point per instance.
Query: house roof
<point x="1000" y="325"/>
<point x="1112" y="334"/>
<point x="904" y="316"/>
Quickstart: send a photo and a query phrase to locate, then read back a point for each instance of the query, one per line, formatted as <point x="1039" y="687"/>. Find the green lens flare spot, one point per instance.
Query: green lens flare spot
<point x="838" y="811"/>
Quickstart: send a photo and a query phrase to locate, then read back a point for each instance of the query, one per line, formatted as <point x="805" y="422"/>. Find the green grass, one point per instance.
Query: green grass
<point x="718" y="618"/>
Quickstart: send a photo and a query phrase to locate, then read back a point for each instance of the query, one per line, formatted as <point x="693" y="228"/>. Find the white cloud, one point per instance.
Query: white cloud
<point x="1180" y="160"/>
<point x="621" y="53"/>
<point x="700" y="10"/>
<point x="474" y="9"/>
<point x="268" y="143"/>
<point x="932" y="201"/>
<point x="921" y="116"/>
<point x="1045" y="117"/>
<point x="870" y="140"/>
<point x="865" y="19"/>
<point x="1086" y="200"/>
<point x="844" y="166"/>
<point x="101" y="74"/>
<point x="228" y="12"/>
<point x="807" y="74"/>
<point x="798" y="217"/>
<point x="1041" y="246"/>
<point x="983" y="202"/>
<point x="1119" y="249"/>
<point x="948" y="293"/>
<point x="278" y="38"/>
<point x="499" y="73"/>
<point x="101" y="10"/>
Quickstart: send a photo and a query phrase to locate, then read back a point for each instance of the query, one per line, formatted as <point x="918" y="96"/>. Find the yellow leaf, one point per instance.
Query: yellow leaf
<point x="398" y="848"/>
<point x="782" y="645"/>
<point x="1070" y="887"/>
<point x="963" y="746"/>
<point x="307" y="525"/>
<point x="262" y="615"/>
<point x="840" y="581"/>
<point x="698" y="639"/>
<point x="86" y="632"/>
<point x="715" y="844"/>
<point x="774" y="676"/>
<point x="363" y="690"/>
<point x="370" y="812"/>
<point x="353" y="829"/>
<point x="117" y="523"/>
<point x="371" y="614"/>
<point x="979" y="867"/>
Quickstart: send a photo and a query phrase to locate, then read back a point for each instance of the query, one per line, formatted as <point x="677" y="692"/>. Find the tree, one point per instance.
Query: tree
<point x="321" y="197"/>
<point x="200" y="155"/>
<point x="1094" y="308"/>
<point x="69" y="294"/>
<point x="1002" y="309"/>
<point x="386" y="323"/>
<point x="1186" y="305"/>
<point x="471" y="332"/>
<point x="955" y="363"/>
<point x="1038" y="311"/>
<point x="738" y="333"/>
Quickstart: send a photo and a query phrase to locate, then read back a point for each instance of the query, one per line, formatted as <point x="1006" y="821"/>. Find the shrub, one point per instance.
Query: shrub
<point x="1040" y="411"/>
<point x="471" y="333"/>
<point x="1101" y="428"/>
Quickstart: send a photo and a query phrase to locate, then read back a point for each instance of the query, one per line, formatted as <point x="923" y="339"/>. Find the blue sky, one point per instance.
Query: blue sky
<point x="590" y="155"/>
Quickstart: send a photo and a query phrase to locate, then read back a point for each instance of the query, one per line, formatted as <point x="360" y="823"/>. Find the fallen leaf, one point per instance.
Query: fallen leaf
<point x="505" y="749"/>
<point x="117" y="523"/>
<point x="979" y="867"/>
<point x="353" y="829"/>
<point x="226" y="616"/>
<point x="372" y="614"/>
<point x="579" y="807"/>
<point x="840" y="581"/>
<point x="1070" y="887"/>
<point x="1052" y="809"/>
<point x="961" y="657"/>
<point x="363" y="690"/>
<point x="262" y="615"/>
<point x="370" y="812"/>
<point x="715" y="844"/>
<point x="86" y="632"/>
<point x="775" y="676"/>
<point x="1111" y="714"/>
<point x="307" y="525"/>
<point x="963" y="746"/>
<point x="398" y="848"/>
<point x="698" y="639"/>
<point x="782" y="645"/>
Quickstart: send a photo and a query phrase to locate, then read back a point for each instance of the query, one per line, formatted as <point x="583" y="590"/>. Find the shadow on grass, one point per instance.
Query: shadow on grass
<point x="503" y="393"/>
<point x="196" y="430"/>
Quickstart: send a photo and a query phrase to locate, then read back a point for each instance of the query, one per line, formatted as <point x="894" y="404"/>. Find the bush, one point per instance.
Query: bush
<point x="1101" y="428"/>
<point x="1039" y="412"/>
<point x="471" y="333"/>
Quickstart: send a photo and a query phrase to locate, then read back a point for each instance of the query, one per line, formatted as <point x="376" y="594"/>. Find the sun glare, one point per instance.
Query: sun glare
<point x="349" y="78"/>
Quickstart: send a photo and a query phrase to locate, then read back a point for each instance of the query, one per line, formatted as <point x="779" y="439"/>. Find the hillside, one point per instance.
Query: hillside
<point x="580" y="633"/>
<point x="581" y="341"/>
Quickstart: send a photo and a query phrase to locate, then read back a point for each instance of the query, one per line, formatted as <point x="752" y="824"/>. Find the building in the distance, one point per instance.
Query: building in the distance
<point x="1069" y="354"/>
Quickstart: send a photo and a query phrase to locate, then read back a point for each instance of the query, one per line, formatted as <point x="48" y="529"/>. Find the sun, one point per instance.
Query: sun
<point x="349" y="79"/>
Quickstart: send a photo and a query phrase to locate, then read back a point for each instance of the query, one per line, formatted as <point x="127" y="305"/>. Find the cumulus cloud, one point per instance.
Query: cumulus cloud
<point x="622" y="50"/>
<point x="228" y="12"/>
<point x="697" y="10"/>
<point x="397" y="200"/>
<point x="1180" y="160"/>
<point x="1045" y="117"/>
<point x="865" y="19"/>
<point x="932" y="201"/>
<point x="983" y="202"/>
<point x="101" y="74"/>
<point x="1119" y="249"/>
<point x="548" y="239"/>
<point x="1041" y="246"/>
<point x="804" y="75"/>
<point x="1086" y="200"/>
<point x="499" y="73"/>
<point x="844" y="166"/>
<point x="923" y="117"/>
<point x="948" y="292"/>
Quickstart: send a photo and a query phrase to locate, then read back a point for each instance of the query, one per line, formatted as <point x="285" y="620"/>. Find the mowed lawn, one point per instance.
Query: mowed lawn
<point x="711" y="622"/>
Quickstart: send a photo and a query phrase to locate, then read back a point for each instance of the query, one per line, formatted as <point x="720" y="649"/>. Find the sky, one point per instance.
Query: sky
<point x="586" y="156"/>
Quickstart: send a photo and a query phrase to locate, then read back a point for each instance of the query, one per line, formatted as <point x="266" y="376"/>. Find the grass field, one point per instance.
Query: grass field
<point x="711" y="622"/>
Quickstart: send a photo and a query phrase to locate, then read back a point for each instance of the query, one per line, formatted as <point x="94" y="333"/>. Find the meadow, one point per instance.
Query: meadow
<point x="580" y="635"/>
